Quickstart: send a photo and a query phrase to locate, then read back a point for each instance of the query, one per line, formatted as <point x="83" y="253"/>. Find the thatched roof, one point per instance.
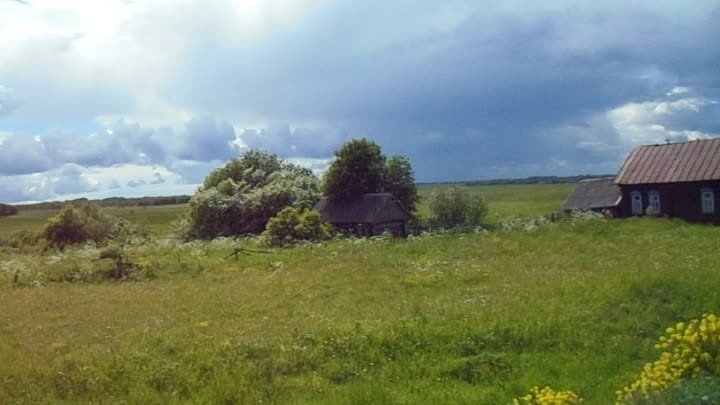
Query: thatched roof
<point x="366" y="209"/>
<point x="672" y="163"/>
<point x="593" y="194"/>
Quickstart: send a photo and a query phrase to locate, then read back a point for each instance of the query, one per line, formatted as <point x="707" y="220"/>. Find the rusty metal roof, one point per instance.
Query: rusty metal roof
<point x="368" y="208"/>
<point x="672" y="163"/>
<point x="593" y="194"/>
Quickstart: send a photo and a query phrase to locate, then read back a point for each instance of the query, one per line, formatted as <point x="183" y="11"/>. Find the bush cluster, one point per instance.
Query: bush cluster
<point x="292" y="225"/>
<point x="7" y="210"/>
<point x="87" y="224"/>
<point x="454" y="206"/>
<point x="240" y="198"/>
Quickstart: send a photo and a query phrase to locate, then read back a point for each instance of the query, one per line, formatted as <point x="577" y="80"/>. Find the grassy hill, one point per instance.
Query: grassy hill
<point x="473" y="318"/>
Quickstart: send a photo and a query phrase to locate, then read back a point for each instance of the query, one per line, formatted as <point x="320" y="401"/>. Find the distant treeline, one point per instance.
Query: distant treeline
<point x="110" y="202"/>
<point x="7" y="210"/>
<point x="526" y="180"/>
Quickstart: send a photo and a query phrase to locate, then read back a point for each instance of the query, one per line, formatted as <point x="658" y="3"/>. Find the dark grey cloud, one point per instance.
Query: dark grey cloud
<point x="123" y="143"/>
<point x="509" y="75"/>
<point x="466" y="89"/>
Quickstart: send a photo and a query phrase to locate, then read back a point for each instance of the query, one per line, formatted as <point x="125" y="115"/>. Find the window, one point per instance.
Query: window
<point x="707" y="198"/>
<point x="636" y="201"/>
<point x="653" y="203"/>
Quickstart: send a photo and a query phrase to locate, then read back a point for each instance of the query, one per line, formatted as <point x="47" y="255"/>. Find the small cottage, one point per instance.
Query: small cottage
<point x="676" y="180"/>
<point x="599" y="195"/>
<point x="367" y="215"/>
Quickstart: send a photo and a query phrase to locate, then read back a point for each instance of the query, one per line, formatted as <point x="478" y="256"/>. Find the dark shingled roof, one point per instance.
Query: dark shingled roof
<point x="593" y="194"/>
<point x="672" y="163"/>
<point x="368" y="208"/>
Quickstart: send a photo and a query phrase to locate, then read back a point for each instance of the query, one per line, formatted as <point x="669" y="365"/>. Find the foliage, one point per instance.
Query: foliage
<point x="358" y="168"/>
<point x="7" y="210"/>
<point x="295" y="224"/>
<point x="686" y="350"/>
<point x="20" y="239"/>
<point x="87" y="224"/>
<point x="242" y="196"/>
<point x="123" y="268"/>
<point x="77" y="225"/>
<point x="400" y="181"/>
<point x="454" y="206"/>
<point x="548" y="396"/>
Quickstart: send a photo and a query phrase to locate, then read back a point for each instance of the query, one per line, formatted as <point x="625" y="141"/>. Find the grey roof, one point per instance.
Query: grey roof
<point x="672" y="163"/>
<point x="593" y="194"/>
<point x="368" y="208"/>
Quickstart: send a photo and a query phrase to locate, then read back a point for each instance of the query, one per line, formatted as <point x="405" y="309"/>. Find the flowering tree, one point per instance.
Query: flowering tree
<point x="242" y="196"/>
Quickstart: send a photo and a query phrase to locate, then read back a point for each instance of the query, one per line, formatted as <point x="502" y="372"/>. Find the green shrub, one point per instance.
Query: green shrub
<point x="21" y="238"/>
<point x="123" y="268"/>
<point x="453" y="206"/>
<point x="295" y="224"/>
<point x="87" y="224"/>
<point x="241" y="197"/>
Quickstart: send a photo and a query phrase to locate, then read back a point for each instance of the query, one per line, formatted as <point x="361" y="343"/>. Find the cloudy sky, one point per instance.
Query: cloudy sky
<point x="105" y="97"/>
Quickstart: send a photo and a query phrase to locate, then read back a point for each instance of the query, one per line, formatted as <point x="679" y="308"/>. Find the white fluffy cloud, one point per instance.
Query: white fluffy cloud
<point x="72" y="180"/>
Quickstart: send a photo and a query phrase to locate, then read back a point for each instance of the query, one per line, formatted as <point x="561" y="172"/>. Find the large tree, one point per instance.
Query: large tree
<point x="400" y="181"/>
<point x="359" y="168"/>
<point x="242" y="196"/>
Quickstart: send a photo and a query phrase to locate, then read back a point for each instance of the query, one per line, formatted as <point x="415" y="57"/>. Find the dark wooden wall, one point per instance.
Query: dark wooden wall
<point x="677" y="200"/>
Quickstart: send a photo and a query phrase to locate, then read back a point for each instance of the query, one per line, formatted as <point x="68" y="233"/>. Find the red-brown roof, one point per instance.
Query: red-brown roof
<point x="672" y="163"/>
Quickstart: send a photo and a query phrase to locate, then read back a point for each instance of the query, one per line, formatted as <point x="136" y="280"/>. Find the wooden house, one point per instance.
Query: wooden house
<point x="676" y="180"/>
<point x="600" y="195"/>
<point x="367" y="215"/>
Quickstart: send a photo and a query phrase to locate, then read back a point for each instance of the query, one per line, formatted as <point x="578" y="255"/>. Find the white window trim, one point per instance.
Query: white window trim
<point x="636" y="209"/>
<point x="707" y="205"/>
<point x="654" y="197"/>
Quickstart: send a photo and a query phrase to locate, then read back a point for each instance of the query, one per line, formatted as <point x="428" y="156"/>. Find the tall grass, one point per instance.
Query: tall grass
<point x="455" y="318"/>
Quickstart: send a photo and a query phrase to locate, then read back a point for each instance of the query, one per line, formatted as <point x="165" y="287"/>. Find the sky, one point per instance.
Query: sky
<point x="106" y="98"/>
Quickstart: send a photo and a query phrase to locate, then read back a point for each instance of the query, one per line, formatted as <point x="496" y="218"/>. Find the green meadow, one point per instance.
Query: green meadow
<point x="452" y="318"/>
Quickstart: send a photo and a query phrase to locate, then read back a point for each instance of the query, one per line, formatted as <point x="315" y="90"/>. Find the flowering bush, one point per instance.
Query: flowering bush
<point x="295" y="224"/>
<point x="548" y="396"/>
<point x="687" y="350"/>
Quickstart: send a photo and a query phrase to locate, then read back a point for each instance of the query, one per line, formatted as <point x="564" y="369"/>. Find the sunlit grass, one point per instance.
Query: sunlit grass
<point x="456" y="318"/>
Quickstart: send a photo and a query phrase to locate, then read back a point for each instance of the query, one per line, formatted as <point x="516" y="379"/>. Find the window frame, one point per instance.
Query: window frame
<point x="654" y="197"/>
<point x="636" y="209"/>
<point x="703" y="192"/>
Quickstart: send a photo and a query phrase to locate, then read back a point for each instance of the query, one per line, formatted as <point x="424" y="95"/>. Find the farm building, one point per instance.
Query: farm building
<point x="676" y="180"/>
<point x="594" y="195"/>
<point x="367" y="215"/>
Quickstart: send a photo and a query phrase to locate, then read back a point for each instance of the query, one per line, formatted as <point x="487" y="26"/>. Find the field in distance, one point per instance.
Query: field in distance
<point x="503" y="201"/>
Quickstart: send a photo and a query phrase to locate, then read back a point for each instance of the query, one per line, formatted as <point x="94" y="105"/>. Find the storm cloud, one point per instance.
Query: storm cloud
<point x="466" y="89"/>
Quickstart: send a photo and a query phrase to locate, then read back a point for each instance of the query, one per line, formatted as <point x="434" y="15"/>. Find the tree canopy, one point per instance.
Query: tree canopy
<point x="400" y="181"/>
<point x="360" y="168"/>
<point x="7" y="210"/>
<point x="242" y="196"/>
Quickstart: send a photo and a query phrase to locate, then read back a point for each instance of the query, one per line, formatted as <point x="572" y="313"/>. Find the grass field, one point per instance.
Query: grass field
<point x="156" y="218"/>
<point x="471" y="318"/>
